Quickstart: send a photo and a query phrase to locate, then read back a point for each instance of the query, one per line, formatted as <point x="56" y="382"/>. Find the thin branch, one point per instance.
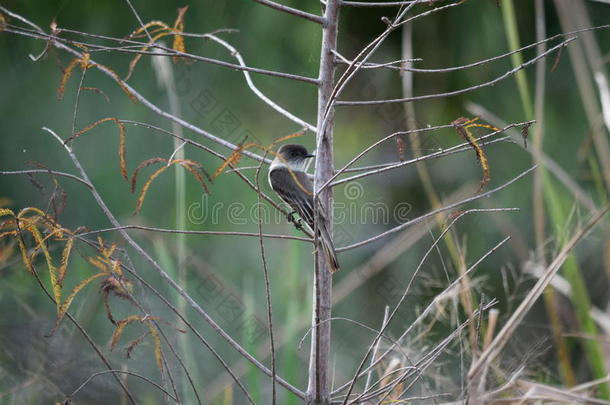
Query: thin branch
<point x="408" y="162"/>
<point x="256" y="91"/>
<point x="299" y="13"/>
<point x="461" y="91"/>
<point x="345" y="3"/>
<point x="463" y="147"/>
<point x="45" y="171"/>
<point x="267" y="286"/>
<point x="135" y="13"/>
<point x="78" y="93"/>
<point x="148" y="380"/>
<point x="436" y="211"/>
<point x="386" y="313"/>
<point x="179" y="231"/>
<point x="372" y="65"/>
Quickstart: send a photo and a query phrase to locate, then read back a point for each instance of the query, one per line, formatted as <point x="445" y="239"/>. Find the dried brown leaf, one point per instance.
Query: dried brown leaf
<point x="132" y="345"/>
<point x="462" y="126"/>
<point x="96" y="90"/>
<point x="64" y="306"/>
<point x="146" y="186"/>
<point x="136" y="59"/>
<point x="2" y="22"/>
<point x="146" y="163"/>
<point x="178" y="43"/>
<point x="67" y="72"/>
<point x="157" y="345"/>
<point x="192" y="167"/>
<point x="234" y="158"/>
<point x="65" y="256"/>
<point x="287" y="137"/>
<point x="120" y="326"/>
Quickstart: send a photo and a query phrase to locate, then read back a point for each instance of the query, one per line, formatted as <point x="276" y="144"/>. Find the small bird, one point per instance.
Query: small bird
<point x="287" y="177"/>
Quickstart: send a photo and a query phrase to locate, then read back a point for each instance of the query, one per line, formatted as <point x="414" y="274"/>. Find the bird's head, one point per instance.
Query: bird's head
<point x="294" y="156"/>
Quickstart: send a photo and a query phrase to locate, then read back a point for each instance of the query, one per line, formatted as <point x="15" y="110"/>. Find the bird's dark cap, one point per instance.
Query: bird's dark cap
<point x="294" y="151"/>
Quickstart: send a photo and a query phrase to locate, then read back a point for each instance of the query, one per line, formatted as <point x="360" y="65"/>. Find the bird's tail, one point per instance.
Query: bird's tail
<point x="329" y="249"/>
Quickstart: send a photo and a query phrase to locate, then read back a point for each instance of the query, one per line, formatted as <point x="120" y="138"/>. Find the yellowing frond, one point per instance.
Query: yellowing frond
<point x="233" y="159"/>
<point x="146" y="187"/>
<point x="157" y="345"/>
<point x="137" y="58"/>
<point x="2" y="22"/>
<point x="65" y="77"/>
<point x="287" y="137"/>
<point x="178" y="44"/>
<point x="63" y="307"/>
<point x="146" y="163"/>
<point x="121" y="127"/>
<point x="191" y="167"/>
<point x="462" y="126"/>
<point x="5" y="211"/>
<point x="120" y="326"/>
<point x="140" y="32"/>
<point x="65" y="256"/>
<point x="122" y="158"/>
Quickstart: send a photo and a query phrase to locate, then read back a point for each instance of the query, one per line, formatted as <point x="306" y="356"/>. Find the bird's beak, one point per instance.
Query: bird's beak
<point x="310" y="155"/>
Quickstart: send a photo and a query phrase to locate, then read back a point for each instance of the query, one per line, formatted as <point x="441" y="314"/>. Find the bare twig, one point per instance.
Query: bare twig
<point x="148" y="380"/>
<point x="255" y="89"/>
<point x="44" y="171"/>
<point x="436" y="211"/>
<point x="461" y="91"/>
<point x="187" y="232"/>
<point x="135" y="13"/>
<point x="386" y="313"/>
<point x="346" y="3"/>
<point x="267" y="286"/>
<point x="392" y="166"/>
<point x="299" y="13"/>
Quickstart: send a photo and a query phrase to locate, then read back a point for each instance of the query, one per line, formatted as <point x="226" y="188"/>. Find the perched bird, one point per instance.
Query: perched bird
<point x="289" y="180"/>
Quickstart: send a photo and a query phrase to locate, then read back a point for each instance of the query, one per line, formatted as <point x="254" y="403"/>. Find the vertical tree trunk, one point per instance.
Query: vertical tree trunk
<point x="319" y="373"/>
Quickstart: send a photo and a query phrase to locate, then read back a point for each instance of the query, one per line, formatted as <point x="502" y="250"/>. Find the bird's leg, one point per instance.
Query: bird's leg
<point x="290" y="216"/>
<point x="297" y="222"/>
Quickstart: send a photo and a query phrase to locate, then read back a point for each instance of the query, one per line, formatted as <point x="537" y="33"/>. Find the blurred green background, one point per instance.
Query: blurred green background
<point x="224" y="273"/>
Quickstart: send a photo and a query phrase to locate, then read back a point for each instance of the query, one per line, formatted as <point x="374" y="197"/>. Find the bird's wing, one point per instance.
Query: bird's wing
<point x="298" y="194"/>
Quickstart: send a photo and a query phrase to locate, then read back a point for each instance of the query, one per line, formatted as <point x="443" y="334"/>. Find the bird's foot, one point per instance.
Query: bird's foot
<point x="290" y="216"/>
<point x="296" y="221"/>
